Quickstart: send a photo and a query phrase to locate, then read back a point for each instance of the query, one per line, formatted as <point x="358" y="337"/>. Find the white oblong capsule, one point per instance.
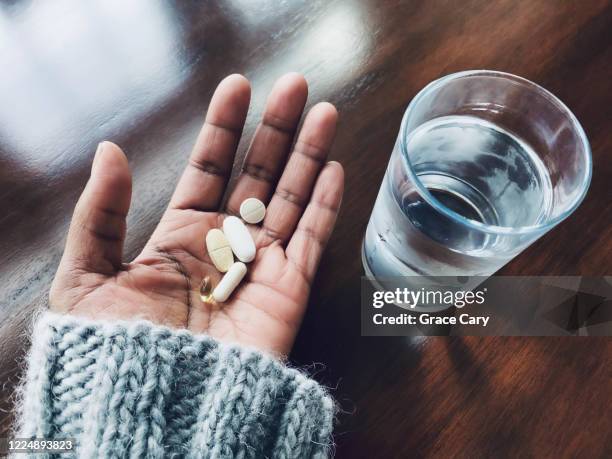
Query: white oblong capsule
<point x="229" y="282"/>
<point x="239" y="239"/>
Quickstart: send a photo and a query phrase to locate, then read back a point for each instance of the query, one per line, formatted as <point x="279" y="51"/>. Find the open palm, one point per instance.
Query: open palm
<point x="162" y="284"/>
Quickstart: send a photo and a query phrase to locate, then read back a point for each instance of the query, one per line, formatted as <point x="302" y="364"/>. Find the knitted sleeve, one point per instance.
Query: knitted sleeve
<point x="133" y="389"/>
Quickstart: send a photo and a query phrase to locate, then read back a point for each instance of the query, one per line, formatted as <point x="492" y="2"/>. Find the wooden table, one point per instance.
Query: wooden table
<point x="141" y="73"/>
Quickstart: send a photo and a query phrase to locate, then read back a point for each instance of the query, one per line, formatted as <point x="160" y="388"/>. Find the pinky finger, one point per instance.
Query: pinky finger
<point x="314" y="229"/>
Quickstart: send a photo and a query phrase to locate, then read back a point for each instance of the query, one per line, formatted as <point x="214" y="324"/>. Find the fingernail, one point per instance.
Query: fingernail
<point x="97" y="155"/>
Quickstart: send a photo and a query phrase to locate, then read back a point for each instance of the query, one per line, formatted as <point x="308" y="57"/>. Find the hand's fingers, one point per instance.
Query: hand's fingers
<point x="97" y="231"/>
<point x="295" y="186"/>
<point x="271" y="142"/>
<point x="316" y="225"/>
<point x="202" y="185"/>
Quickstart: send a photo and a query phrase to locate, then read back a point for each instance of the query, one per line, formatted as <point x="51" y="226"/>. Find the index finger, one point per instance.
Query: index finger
<point x="202" y="185"/>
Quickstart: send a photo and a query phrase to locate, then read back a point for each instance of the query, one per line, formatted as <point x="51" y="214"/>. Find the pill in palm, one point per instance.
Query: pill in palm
<point x="239" y="238"/>
<point x="219" y="250"/>
<point x="206" y="289"/>
<point x="252" y="210"/>
<point x="229" y="282"/>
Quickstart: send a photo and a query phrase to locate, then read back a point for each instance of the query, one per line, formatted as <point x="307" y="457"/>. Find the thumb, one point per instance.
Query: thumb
<point x="98" y="227"/>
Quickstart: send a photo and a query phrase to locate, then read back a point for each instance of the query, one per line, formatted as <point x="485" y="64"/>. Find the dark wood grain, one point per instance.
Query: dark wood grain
<point x="75" y="73"/>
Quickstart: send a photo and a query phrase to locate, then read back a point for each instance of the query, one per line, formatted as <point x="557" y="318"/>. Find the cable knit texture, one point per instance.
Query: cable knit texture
<point x="133" y="389"/>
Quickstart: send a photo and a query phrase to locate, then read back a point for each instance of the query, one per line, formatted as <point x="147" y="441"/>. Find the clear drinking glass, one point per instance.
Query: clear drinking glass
<point x="484" y="164"/>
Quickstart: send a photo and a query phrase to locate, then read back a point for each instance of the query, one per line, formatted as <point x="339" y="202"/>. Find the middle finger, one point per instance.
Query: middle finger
<point x="271" y="143"/>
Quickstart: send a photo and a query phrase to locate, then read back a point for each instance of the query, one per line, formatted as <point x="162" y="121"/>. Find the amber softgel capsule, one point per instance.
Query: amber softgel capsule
<point x="206" y="289"/>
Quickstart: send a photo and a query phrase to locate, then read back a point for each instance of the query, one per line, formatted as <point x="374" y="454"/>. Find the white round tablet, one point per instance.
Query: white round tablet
<point x="252" y="210"/>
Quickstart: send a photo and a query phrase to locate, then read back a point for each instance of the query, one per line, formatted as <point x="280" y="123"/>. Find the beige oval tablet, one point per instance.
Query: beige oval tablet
<point x="252" y="210"/>
<point x="219" y="250"/>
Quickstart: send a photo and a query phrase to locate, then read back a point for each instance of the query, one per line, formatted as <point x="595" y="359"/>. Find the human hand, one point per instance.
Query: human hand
<point x="162" y="283"/>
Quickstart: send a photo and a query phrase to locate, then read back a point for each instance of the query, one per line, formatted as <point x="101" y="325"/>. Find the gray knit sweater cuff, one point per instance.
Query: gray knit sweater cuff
<point x="139" y="390"/>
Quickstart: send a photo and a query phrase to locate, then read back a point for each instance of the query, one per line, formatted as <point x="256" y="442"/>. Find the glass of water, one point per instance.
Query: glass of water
<point x="484" y="164"/>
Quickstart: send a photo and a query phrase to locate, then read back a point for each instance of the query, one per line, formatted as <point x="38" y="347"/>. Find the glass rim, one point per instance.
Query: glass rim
<point x="494" y="229"/>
